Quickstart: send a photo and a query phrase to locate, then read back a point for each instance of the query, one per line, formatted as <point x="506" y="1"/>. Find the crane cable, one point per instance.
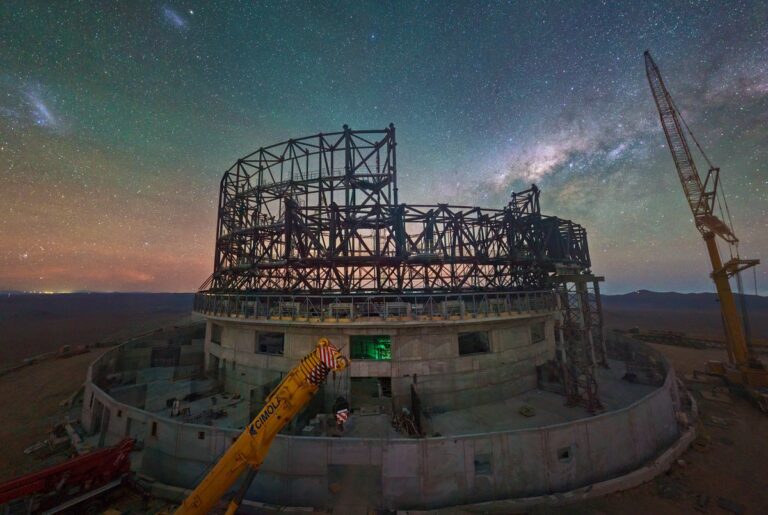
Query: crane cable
<point x="754" y="278"/>
<point x="671" y="101"/>
<point x="711" y="167"/>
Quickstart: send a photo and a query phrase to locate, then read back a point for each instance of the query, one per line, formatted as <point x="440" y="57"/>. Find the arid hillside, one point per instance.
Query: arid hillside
<point x="697" y="314"/>
<point x="34" y="324"/>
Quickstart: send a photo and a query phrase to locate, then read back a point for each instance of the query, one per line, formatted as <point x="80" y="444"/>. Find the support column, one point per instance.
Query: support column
<point x="579" y="336"/>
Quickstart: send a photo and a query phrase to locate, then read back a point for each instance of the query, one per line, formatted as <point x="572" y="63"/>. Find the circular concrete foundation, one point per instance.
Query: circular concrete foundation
<point x="478" y="445"/>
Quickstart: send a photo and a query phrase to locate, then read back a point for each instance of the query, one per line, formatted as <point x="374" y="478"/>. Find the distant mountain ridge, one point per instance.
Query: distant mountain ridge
<point x="653" y="300"/>
<point x="101" y="301"/>
<point x="63" y="304"/>
<point x="697" y="314"/>
<point x="33" y="323"/>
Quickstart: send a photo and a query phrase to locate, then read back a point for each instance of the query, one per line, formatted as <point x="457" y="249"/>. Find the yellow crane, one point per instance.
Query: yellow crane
<point x="703" y="198"/>
<point x="250" y="448"/>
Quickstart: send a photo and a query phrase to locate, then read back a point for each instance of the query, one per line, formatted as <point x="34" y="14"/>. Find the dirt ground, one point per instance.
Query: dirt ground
<point x="29" y="405"/>
<point x="730" y="467"/>
<point x="35" y="324"/>
<point x="27" y="337"/>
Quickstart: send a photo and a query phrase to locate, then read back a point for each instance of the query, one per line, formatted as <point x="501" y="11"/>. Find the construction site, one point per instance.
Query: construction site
<point x="357" y="353"/>
<point x="478" y="369"/>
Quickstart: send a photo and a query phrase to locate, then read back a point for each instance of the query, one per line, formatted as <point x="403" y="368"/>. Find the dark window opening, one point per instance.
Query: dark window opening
<point x="473" y="343"/>
<point x="370" y="394"/>
<point x="537" y="332"/>
<point x="270" y="343"/>
<point x="216" y="331"/>
<point x="482" y="464"/>
<point x="564" y="455"/>
<point x="119" y="413"/>
<point x="201" y="435"/>
<point x="385" y="387"/>
<point x="377" y="347"/>
<point x="154" y="429"/>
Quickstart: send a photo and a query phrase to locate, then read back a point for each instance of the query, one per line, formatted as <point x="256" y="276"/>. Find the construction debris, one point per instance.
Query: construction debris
<point x="60" y="438"/>
<point x="730" y="506"/>
<point x="404" y="422"/>
<point x="698" y="376"/>
<point x="716" y="395"/>
<point x="701" y="503"/>
<point x="716" y="421"/>
<point x="668" y="488"/>
<point x="57" y="441"/>
<point x="701" y="444"/>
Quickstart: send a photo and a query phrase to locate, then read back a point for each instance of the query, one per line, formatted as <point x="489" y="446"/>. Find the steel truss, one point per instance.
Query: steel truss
<point x="320" y="215"/>
<point x="579" y="336"/>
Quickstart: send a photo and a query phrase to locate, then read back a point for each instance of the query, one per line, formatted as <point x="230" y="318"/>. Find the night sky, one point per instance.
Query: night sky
<point x="117" y="120"/>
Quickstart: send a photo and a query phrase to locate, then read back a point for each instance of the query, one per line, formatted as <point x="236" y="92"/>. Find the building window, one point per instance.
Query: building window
<point x="537" y="332"/>
<point x="483" y="465"/>
<point x="363" y="346"/>
<point x="216" y="331"/>
<point x="154" y="429"/>
<point x="119" y="413"/>
<point x="270" y="343"/>
<point x="201" y="435"/>
<point x="473" y="343"/>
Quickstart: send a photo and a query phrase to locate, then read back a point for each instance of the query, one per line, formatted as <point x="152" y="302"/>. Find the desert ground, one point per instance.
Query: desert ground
<point x="35" y="324"/>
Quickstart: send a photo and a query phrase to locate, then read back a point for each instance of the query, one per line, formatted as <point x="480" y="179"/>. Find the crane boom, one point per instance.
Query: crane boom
<point x="250" y="448"/>
<point x="702" y="197"/>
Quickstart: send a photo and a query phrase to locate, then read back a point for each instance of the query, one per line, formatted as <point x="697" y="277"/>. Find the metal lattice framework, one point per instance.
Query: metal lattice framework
<point x="579" y="335"/>
<point x="319" y="215"/>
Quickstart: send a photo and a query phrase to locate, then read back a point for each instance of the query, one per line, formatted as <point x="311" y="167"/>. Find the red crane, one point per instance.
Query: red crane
<point x="70" y="483"/>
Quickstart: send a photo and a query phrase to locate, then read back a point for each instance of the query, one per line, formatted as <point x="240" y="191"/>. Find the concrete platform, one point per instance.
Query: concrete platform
<point x="550" y="408"/>
<point x="484" y="452"/>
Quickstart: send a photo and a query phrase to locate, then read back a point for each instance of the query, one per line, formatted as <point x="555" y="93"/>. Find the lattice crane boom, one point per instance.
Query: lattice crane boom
<point x="702" y="198"/>
<point x="701" y="195"/>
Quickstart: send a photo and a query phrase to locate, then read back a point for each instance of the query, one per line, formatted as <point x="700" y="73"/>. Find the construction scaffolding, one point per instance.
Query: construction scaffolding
<point x="579" y="336"/>
<point x="320" y="215"/>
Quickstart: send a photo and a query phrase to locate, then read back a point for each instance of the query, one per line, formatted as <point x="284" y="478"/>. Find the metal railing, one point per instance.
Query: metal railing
<point x="370" y="308"/>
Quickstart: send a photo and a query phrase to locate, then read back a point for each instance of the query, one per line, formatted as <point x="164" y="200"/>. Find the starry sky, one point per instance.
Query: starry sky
<point x="117" y="120"/>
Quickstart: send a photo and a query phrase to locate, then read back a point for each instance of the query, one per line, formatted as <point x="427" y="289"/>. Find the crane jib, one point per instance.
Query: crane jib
<point x="266" y="413"/>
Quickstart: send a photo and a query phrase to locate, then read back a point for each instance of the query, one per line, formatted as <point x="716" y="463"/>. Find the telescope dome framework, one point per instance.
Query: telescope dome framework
<point x="320" y="216"/>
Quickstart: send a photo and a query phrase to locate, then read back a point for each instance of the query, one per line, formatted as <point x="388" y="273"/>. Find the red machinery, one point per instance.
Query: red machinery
<point x="66" y="485"/>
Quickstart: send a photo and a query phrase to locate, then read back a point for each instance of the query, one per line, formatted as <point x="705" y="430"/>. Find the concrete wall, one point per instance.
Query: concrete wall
<point x="406" y="473"/>
<point x="423" y="354"/>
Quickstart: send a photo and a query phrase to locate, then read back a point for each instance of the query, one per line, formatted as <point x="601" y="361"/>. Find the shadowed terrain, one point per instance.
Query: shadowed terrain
<point x="697" y="314"/>
<point x="32" y="324"/>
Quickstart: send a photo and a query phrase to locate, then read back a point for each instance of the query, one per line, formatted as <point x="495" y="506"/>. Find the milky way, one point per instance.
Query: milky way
<point x="117" y="121"/>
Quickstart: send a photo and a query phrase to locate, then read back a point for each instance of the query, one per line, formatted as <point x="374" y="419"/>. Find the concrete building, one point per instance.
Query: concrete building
<point x="485" y="452"/>
<point x="479" y="369"/>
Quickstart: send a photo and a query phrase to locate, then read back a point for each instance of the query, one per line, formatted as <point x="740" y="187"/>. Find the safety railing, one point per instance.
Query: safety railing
<point x="370" y="308"/>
